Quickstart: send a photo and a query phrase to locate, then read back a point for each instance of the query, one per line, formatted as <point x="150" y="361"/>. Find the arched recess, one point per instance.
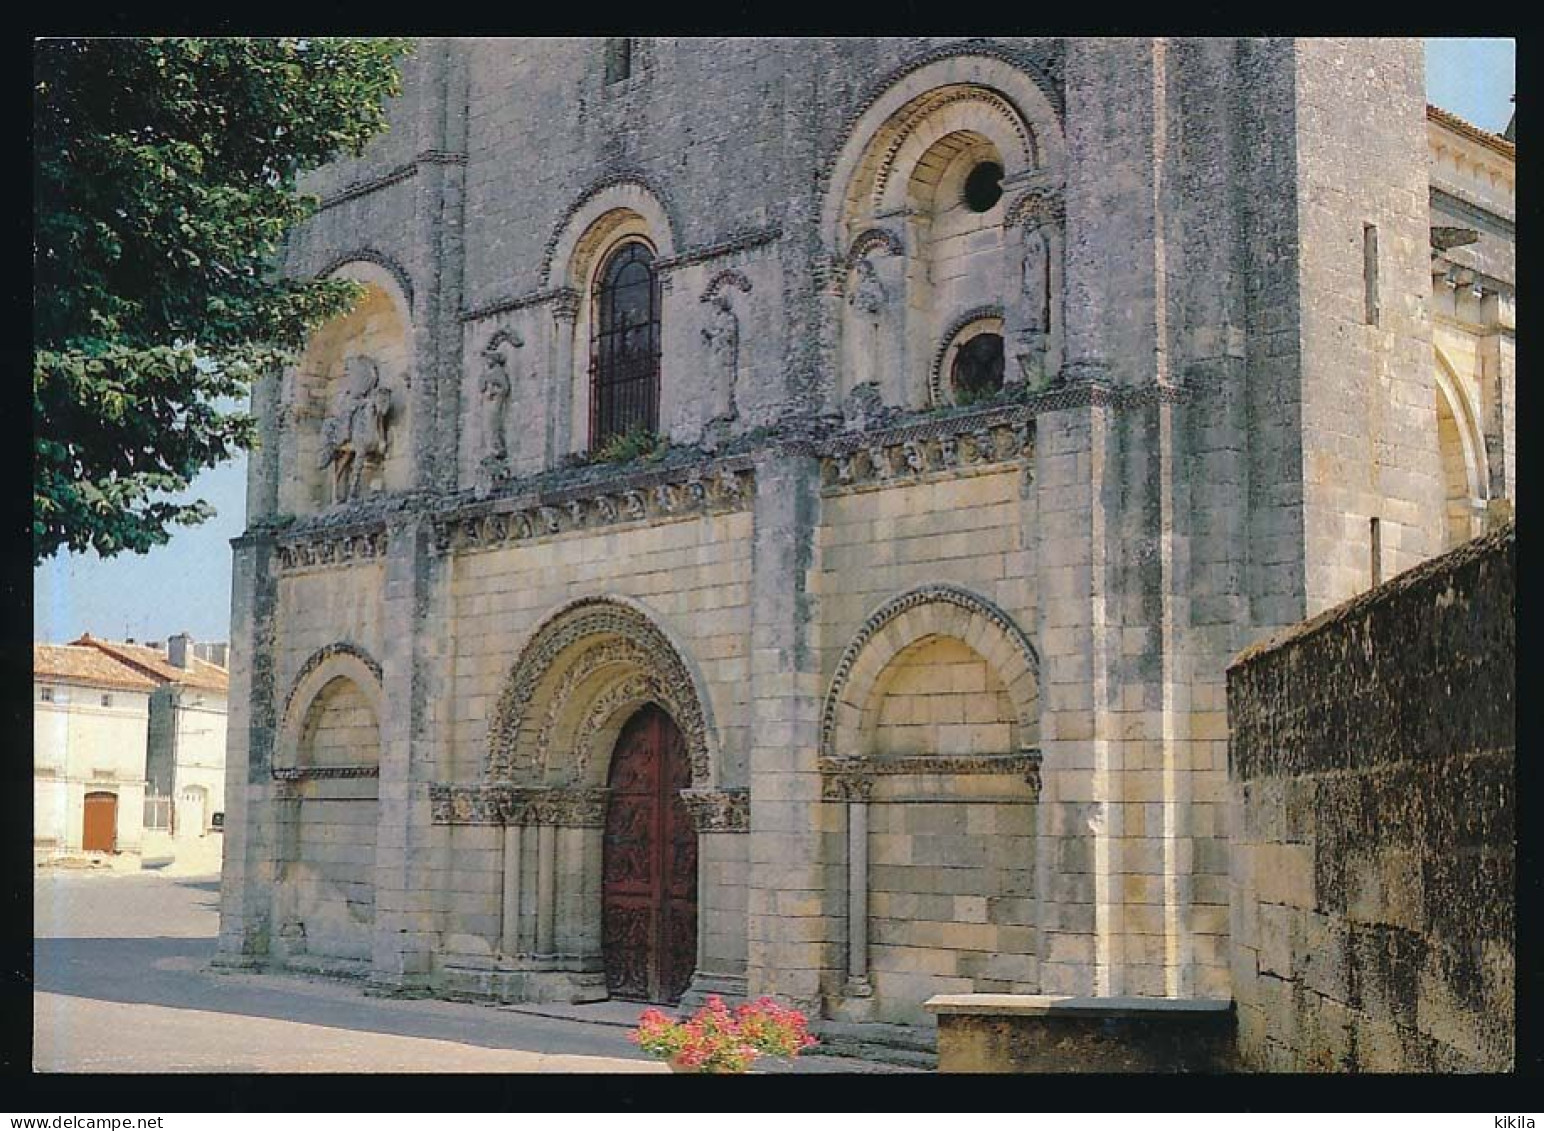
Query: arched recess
<point x="919" y="616"/>
<point x="611" y="214"/>
<point x="321" y="669"/>
<point x="317" y="389"/>
<point x="893" y="115"/>
<point x="328" y="759"/>
<point x="912" y="166"/>
<point x="931" y="704"/>
<point x="1461" y="449"/>
<point x="583" y="672"/>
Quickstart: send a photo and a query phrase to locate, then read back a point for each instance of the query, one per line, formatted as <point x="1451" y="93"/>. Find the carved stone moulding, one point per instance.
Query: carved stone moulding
<point x="323" y="773"/>
<point x="687" y="492"/>
<point x="719" y="810"/>
<point x="852" y="779"/>
<point x="906" y="453"/>
<point x="503" y="805"/>
<point x="322" y="548"/>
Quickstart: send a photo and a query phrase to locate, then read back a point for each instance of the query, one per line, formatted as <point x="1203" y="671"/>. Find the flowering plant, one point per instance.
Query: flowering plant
<point x="718" y="1040"/>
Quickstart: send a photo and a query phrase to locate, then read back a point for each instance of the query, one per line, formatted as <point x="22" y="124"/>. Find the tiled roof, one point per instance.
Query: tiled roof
<point x="1453" y="122"/>
<point x="70" y="663"/>
<point x="153" y="663"/>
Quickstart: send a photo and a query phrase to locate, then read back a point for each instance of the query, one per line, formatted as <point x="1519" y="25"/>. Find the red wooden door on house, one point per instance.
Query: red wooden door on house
<point x="649" y="891"/>
<point x="100" y="833"/>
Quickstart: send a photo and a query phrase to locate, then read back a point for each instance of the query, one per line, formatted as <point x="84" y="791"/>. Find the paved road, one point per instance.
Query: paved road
<point x="129" y="954"/>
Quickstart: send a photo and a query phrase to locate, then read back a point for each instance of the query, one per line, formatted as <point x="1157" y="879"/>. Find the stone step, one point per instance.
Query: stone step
<point x="908" y="1045"/>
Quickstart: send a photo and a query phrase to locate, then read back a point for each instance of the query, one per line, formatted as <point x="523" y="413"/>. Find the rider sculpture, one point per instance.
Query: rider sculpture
<point x="355" y="432"/>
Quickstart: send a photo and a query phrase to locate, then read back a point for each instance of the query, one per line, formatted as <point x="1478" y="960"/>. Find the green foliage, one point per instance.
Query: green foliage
<point x="163" y="186"/>
<point x="638" y="443"/>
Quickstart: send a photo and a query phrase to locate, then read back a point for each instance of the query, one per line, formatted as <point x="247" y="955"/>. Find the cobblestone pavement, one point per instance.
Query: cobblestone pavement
<point x="129" y="953"/>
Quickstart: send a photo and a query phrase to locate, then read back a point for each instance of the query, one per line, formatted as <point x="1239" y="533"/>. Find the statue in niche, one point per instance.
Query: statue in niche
<point x="722" y="335"/>
<point x="493" y="389"/>
<point x="356" y="430"/>
<point x="867" y="298"/>
<point x="1035" y="286"/>
<point x="868" y="293"/>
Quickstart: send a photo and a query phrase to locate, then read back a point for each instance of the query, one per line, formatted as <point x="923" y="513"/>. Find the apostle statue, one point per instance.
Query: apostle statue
<point x="493" y="391"/>
<point x="722" y="335"/>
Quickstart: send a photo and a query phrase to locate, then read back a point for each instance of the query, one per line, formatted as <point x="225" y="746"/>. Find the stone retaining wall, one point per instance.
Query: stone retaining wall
<point x="1373" y="809"/>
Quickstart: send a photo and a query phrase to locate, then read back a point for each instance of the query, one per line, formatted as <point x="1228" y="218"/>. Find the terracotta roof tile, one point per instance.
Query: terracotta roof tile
<point x="1472" y="132"/>
<point x="70" y="663"/>
<point x="153" y="663"/>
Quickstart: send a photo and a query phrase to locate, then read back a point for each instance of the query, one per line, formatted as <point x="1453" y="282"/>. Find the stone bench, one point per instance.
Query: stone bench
<point x="1053" y="1033"/>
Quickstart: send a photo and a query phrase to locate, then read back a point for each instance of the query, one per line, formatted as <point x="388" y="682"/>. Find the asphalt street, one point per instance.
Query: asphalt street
<point x="123" y="984"/>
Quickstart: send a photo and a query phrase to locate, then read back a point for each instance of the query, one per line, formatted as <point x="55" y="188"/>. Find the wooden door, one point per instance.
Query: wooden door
<point x="649" y="895"/>
<point x="101" y="827"/>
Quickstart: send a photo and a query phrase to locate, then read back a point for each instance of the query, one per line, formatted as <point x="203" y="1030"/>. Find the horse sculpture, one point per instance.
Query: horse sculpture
<point x="355" y="433"/>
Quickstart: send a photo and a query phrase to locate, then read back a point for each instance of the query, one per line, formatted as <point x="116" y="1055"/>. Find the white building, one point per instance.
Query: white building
<point x="91" y="716"/>
<point x="185" y="751"/>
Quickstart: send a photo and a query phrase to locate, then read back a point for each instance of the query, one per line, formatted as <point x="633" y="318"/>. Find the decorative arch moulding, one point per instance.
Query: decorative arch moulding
<point x="380" y="259"/>
<point x="634" y="179"/>
<point x="1023" y="660"/>
<point x="1023" y="83"/>
<point x="328" y="654"/>
<point x="667" y="678"/>
<point x="562" y="297"/>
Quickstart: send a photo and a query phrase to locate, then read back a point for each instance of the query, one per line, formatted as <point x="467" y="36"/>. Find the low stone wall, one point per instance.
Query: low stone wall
<point x="1372" y="805"/>
<point x="1055" y="1033"/>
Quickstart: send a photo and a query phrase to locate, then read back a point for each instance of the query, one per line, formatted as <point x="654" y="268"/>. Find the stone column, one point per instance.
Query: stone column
<point x="249" y="871"/>
<point x="406" y="926"/>
<point x="858" y="992"/>
<point x="793" y="947"/>
<point x="721" y="818"/>
<point x="560" y="421"/>
<point x="509" y="936"/>
<point x="546" y="891"/>
<point x="526" y="934"/>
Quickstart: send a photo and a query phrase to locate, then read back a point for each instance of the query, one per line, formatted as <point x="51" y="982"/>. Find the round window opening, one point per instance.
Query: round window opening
<point x="978" y="368"/>
<point x="984" y="186"/>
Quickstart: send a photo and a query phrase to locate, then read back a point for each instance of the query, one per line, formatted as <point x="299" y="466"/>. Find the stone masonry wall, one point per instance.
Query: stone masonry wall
<point x="1373" y="807"/>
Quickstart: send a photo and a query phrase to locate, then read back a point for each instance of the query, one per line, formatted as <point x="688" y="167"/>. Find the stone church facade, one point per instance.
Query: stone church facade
<point x="1006" y="387"/>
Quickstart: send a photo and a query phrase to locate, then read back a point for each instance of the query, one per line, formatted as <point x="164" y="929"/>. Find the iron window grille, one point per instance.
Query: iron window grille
<point x="625" y="346"/>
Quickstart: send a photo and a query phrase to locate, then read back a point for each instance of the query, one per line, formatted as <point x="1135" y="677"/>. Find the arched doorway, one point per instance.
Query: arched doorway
<point x="649" y="893"/>
<point x="190" y="816"/>
<point x="101" y="824"/>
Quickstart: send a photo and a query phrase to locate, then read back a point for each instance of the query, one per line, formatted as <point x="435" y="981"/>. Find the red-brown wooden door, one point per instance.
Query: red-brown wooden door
<point x="100" y="833"/>
<point x="649" y="892"/>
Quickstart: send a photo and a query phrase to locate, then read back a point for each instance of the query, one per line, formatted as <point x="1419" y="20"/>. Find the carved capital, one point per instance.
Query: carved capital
<point x="718" y="811"/>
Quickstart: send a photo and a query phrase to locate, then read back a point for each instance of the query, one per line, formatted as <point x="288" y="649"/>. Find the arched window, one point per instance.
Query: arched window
<point x="624" y="346"/>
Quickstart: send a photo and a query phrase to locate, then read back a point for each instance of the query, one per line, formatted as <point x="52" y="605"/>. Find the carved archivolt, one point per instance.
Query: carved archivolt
<point x="990" y="313"/>
<point x="924" y="108"/>
<point x="556" y="667"/>
<point x="333" y="661"/>
<point x="959" y="611"/>
<point x="868" y="240"/>
<point x="729" y="278"/>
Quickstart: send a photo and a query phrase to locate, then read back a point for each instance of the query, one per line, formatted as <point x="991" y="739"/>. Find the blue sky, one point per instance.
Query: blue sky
<point x="184" y="586"/>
